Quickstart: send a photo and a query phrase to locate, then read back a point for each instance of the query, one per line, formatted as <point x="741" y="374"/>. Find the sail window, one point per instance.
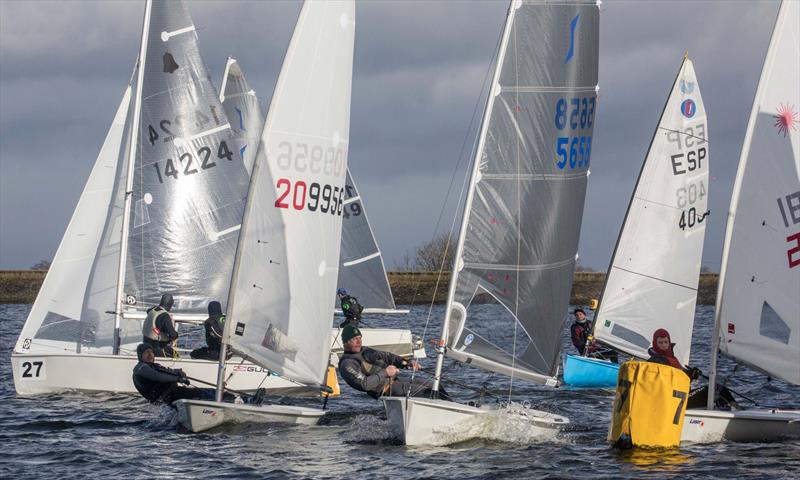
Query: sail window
<point x="772" y="325"/>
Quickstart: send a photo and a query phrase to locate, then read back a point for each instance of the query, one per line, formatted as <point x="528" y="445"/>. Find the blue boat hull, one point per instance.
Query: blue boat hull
<point x="589" y="372"/>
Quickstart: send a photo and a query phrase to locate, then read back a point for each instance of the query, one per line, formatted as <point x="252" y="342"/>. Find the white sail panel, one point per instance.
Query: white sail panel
<point x="287" y="263"/>
<point x="243" y="111"/>
<point x="653" y="277"/>
<point x="56" y="313"/>
<point x="361" y="268"/>
<point x="189" y="184"/>
<point x="521" y="228"/>
<point x="759" y="313"/>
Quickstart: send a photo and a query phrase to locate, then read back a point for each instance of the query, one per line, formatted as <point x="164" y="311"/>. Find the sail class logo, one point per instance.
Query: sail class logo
<point x="572" y="26"/>
<point x="688" y="108"/>
<point x="786" y="119"/>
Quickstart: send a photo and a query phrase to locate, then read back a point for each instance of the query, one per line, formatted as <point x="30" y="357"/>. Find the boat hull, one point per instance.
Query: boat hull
<point x="589" y="372"/>
<point x="201" y="415"/>
<point x="421" y="421"/>
<point x="41" y="373"/>
<point x="710" y="426"/>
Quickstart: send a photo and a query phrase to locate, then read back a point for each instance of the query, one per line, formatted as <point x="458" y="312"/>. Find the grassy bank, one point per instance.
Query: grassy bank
<point x="21" y="286"/>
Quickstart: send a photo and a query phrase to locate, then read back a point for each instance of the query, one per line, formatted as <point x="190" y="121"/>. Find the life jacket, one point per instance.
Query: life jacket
<point x="351" y="307"/>
<point x="150" y="329"/>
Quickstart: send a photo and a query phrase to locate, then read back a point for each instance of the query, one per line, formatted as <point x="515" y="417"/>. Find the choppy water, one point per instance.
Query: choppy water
<point x="118" y="436"/>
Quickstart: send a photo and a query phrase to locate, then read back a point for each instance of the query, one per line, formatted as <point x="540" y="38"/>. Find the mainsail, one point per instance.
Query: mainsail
<point x="361" y="268"/>
<point x="652" y="280"/>
<point x="243" y="111"/>
<point x="189" y="182"/>
<point x="57" y="319"/>
<point x="521" y="226"/>
<point x="287" y="260"/>
<point x="758" y="309"/>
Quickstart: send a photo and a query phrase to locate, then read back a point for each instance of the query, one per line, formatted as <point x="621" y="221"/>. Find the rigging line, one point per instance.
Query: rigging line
<point x="463" y="187"/>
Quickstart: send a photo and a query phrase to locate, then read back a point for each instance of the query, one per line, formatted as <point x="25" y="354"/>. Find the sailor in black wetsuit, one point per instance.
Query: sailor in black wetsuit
<point x="214" y="325"/>
<point x="376" y="372"/>
<point x="161" y="384"/>
<point x="350" y="308"/>
<point x="158" y="329"/>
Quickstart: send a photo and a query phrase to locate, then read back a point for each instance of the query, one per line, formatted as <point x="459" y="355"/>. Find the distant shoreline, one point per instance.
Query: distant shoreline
<point x="21" y="286"/>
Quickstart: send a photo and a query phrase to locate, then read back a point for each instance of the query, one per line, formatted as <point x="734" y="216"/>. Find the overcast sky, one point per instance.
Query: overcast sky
<point x="418" y="71"/>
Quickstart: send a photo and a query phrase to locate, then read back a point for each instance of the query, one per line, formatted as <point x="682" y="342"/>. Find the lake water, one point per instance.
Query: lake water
<point x="120" y="436"/>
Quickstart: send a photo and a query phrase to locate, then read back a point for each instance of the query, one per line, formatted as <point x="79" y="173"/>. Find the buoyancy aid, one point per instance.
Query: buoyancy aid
<point x="150" y="328"/>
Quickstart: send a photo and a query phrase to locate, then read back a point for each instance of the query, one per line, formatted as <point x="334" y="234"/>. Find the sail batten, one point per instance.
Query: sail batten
<point x="518" y="242"/>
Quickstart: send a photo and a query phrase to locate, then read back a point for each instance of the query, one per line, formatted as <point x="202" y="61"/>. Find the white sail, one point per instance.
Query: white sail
<point x="243" y="111"/>
<point x="189" y="184"/>
<point x="287" y="260"/>
<point x="521" y="227"/>
<point x="54" y="320"/>
<point x="654" y="273"/>
<point x="758" y="312"/>
<point x="361" y="268"/>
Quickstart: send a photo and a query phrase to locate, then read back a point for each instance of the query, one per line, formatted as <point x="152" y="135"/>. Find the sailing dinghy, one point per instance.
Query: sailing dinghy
<point x="361" y="264"/>
<point x="757" y="318"/>
<point x="286" y="264"/>
<point x="654" y="272"/>
<point x="521" y="223"/>
<point x="175" y="231"/>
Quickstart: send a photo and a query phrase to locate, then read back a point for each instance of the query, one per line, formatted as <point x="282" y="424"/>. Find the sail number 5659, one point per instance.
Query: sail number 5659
<point x="315" y="197"/>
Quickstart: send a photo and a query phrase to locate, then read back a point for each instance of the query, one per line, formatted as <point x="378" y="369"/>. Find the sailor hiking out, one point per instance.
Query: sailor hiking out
<point x="377" y="373"/>
<point x="214" y="326"/>
<point x="158" y="329"/>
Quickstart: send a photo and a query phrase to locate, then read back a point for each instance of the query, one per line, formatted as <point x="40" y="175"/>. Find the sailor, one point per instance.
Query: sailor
<point x="581" y="331"/>
<point x="160" y="384"/>
<point x="376" y="372"/>
<point x="214" y="326"/>
<point x="158" y="329"/>
<point x="350" y="308"/>
<point x="662" y="351"/>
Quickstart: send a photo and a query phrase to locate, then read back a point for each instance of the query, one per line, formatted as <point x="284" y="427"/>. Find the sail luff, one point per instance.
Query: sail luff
<point x="444" y="336"/>
<point x="598" y="314"/>
<point x="135" y="128"/>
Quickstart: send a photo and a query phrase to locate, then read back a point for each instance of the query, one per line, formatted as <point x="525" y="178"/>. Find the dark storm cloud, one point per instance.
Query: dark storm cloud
<point x="419" y="68"/>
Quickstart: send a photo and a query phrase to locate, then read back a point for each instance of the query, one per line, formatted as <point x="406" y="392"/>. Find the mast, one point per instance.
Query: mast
<point x="137" y="103"/>
<point x="470" y="195"/>
<point x="737" y="187"/>
<point x="633" y="195"/>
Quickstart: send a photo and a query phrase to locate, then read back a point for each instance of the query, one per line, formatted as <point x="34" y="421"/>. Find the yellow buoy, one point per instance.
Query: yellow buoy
<point x="593" y="304"/>
<point x="649" y="405"/>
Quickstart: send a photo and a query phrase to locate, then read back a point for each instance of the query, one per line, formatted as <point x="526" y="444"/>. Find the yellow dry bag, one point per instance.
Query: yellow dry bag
<point x="332" y="381"/>
<point x="649" y="405"/>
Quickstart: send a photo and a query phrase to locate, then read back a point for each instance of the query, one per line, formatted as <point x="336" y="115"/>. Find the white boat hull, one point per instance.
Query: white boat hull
<point x="709" y="426"/>
<point x="421" y="421"/>
<point x="40" y="373"/>
<point x="201" y="415"/>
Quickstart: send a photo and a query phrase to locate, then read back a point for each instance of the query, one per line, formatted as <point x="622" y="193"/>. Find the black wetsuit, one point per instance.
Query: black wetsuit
<point x="351" y="310"/>
<point x="159" y="384"/>
<point x="214" y="327"/>
<point x="366" y="371"/>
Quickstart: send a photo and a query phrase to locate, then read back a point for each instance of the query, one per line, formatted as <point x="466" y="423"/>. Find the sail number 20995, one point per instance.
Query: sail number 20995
<point x="315" y="197"/>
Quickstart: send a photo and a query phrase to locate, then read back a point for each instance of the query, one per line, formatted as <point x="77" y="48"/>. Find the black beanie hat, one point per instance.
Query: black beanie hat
<point x="214" y="308"/>
<point x="350" y="331"/>
<point x="141" y="349"/>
